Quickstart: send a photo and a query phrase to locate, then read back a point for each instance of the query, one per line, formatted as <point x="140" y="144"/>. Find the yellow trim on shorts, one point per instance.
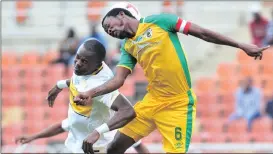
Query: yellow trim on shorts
<point x="130" y="133"/>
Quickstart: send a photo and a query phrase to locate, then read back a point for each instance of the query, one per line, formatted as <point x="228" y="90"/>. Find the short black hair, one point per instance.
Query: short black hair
<point x="115" y="12"/>
<point x="94" y="45"/>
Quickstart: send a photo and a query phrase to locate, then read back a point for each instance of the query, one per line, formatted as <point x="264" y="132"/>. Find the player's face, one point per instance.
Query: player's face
<point x="84" y="62"/>
<point x="117" y="27"/>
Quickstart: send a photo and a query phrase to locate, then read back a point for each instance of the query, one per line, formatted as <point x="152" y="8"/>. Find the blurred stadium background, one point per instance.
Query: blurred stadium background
<point x="32" y="31"/>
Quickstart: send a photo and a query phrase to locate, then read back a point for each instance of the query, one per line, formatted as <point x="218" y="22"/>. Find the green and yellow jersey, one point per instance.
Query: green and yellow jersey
<point x="156" y="47"/>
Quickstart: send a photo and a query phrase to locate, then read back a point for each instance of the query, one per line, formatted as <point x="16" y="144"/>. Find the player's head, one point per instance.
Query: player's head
<point x="256" y="12"/>
<point x="248" y="83"/>
<point x="89" y="57"/>
<point x="117" y="22"/>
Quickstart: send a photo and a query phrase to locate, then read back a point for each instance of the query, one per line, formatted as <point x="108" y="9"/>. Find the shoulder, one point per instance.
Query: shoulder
<point x="105" y="74"/>
<point x="163" y="17"/>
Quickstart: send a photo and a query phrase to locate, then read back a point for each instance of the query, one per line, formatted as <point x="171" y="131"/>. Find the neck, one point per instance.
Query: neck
<point x="133" y="25"/>
<point x="97" y="70"/>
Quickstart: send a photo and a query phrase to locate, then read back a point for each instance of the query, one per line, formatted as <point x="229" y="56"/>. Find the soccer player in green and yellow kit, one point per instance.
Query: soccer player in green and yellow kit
<point x="170" y="104"/>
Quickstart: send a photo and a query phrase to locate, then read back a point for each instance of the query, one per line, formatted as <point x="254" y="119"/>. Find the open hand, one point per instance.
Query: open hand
<point x="52" y="95"/>
<point x="253" y="50"/>
<point x="87" y="145"/>
<point x="23" y="139"/>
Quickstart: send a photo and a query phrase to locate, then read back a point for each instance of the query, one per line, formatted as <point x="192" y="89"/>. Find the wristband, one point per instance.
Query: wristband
<point x="102" y="129"/>
<point x="62" y="84"/>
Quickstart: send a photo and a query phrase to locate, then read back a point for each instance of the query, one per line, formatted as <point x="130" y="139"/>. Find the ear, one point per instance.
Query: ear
<point x="121" y="14"/>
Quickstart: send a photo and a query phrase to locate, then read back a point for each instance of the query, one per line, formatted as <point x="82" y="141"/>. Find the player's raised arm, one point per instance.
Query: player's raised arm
<point x="48" y="132"/>
<point x="113" y="84"/>
<point x="217" y="38"/>
<point x="173" y="23"/>
<point x="53" y="93"/>
<point x="125" y="67"/>
<point x="124" y="114"/>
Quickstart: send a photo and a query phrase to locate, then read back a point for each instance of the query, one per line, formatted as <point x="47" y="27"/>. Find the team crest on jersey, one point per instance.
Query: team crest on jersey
<point x="178" y="145"/>
<point x="147" y="34"/>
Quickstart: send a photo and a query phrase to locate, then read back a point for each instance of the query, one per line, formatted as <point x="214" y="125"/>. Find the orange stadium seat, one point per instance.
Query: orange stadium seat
<point x="10" y="132"/>
<point x="237" y="126"/>
<point x="33" y="127"/>
<point x="205" y="84"/>
<point x="243" y="58"/>
<point x="54" y="73"/>
<point x="30" y="58"/>
<point x="226" y="70"/>
<point x="212" y="125"/>
<point x="204" y="98"/>
<point x="33" y="72"/>
<point x="10" y="86"/>
<point x="49" y="56"/>
<point x="14" y="98"/>
<point x="167" y="6"/>
<point x="261" y="137"/>
<point x="266" y="83"/>
<point x="238" y="137"/>
<point x="227" y="85"/>
<point x="215" y="137"/>
<point x="58" y="112"/>
<point x="268" y="69"/>
<point x="226" y="97"/>
<point x="267" y="57"/>
<point x="94" y="9"/>
<point x="207" y="110"/>
<point x="37" y="113"/>
<point x="36" y="99"/>
<point x="248" y="70"/>
<point x="263" y="124"/>
<point x="225" y="109"/>
<point x="9" y="58"/>
<point x="196" y="138"/>
<point x="22" y="7"/>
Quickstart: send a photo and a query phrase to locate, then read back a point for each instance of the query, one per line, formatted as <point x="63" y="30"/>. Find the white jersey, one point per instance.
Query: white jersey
<point x="82" y="120"/>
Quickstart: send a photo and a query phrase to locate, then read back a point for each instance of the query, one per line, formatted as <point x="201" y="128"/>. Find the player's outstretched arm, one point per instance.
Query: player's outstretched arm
<point x="48" y="132"/>
<point x="124" y="114"/>
<point x="53" y="93"/>
<point x="113" y="84"/>
<point x="213" y="37"/>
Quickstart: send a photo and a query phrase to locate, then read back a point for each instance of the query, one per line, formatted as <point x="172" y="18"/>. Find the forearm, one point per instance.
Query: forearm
<point x="111" y="85"/>
<point x="218" y="38"/>
<point x="50" y="131"/>
<point x="211" y="36"/>
<point x="121" y="118"/>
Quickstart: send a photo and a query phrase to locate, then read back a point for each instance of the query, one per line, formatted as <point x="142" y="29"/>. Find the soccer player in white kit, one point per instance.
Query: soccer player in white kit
<point x="107" y="113"/>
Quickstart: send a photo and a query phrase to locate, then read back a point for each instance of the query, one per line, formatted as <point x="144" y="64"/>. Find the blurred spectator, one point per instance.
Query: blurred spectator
<point x="68" y="48"/>
<point x="269" y="108"/>
<point x="258" y="28"/>
<point x="269" y="32"/>
<point x="2" y="142"/>
<point x="248" y="101"/>
<point x="113" y="57"/>
<point x="94" y="33"/>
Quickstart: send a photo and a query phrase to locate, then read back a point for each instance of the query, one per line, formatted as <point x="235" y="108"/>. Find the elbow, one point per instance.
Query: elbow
<point x="131" y="114"/>
<point x="119" y="82"/>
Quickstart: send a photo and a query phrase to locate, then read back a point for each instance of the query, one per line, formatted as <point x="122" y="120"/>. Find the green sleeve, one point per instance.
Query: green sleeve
<point x="126" y="60"/>
<point x="165" y="21"/>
